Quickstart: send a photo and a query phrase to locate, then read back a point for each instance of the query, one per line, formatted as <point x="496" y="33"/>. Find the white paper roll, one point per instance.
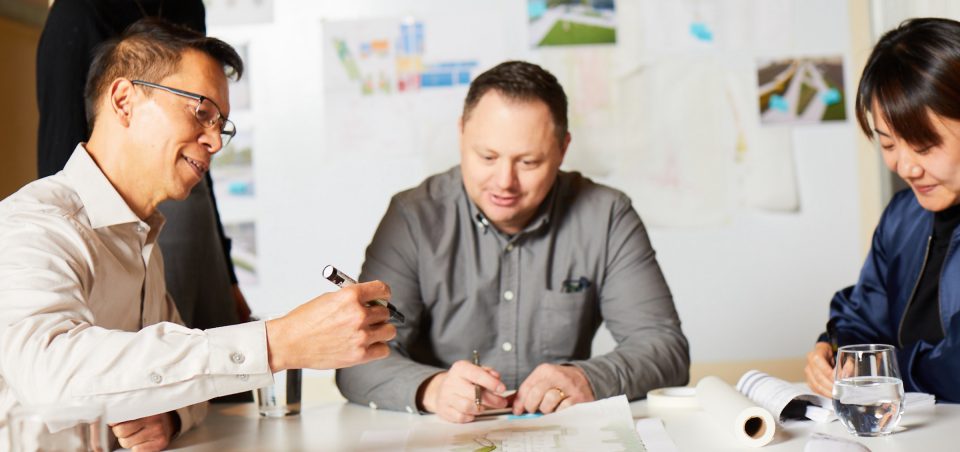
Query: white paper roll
<point x="751" y="425"/>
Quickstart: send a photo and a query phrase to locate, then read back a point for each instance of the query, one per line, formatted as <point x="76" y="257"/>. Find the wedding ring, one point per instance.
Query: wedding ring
<point x="563" y="395"/>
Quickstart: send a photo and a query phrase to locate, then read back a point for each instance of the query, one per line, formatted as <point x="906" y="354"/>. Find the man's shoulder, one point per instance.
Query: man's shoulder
<point x="580" y="192"/>
<point x="50" y="197"/>
<point x="435" y="191"/>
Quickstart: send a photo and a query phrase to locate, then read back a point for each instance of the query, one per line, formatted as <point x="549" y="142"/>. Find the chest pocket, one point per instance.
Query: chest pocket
<point x="564" y="324"/>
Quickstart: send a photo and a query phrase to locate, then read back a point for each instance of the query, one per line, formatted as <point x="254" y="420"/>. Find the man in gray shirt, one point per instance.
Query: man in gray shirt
<point x="509" y="256"/>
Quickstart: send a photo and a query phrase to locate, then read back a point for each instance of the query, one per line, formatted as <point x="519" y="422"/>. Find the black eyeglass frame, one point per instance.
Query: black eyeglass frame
<point x="228" y="129"/>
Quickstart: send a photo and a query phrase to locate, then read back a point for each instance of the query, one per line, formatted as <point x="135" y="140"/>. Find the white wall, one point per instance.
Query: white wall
<point x="755" y="288"/>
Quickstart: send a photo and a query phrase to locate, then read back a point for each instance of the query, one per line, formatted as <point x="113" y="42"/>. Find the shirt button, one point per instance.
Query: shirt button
<point x="507" y="346"/>
<point x="373" y="405"/>
<point x="509" y="247"/>
<point x="237" y="357"/>
<point x="508" y="295"/>
<point x="155" y="377"/>
<point x="409" y="410"/>
<point x="140" y="228"/>
<point x="243" y="377"/>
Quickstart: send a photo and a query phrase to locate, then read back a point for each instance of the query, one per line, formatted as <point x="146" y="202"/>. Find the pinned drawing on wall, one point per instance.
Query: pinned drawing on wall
<point x="232" y="169"/>
<point x="387" y="56"/>
<point x="243" y="251"/>
<point x="801" y="90"/>
<point x="678" y="25"/>
<point x="240" y="89"/>
<point x="238" y="12"/>
<point x="589" y="79"/>
<point x="571" y="22"/>
<point x="394" y="71"/>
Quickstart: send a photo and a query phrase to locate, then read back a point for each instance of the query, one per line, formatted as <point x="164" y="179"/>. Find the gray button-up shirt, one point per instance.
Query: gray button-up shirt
<point x="535" y="297"/>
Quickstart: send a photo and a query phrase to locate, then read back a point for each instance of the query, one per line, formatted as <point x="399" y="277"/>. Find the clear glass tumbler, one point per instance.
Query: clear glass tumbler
<point x="62" y="427"/>
<point x="282" y="398"/>
<point x="867" y="389"/>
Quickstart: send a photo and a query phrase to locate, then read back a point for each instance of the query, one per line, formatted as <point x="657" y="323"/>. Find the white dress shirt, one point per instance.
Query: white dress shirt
<point x="84" y="311"/>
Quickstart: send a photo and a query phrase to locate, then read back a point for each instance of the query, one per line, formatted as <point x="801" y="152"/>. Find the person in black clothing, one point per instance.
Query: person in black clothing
<point x="200" y="276"/>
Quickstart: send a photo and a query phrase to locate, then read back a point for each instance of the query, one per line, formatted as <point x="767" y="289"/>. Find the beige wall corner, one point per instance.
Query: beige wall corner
<point x="871" y="169"/>
<point x="18" y="105"/>
<point x="789" y="369"/>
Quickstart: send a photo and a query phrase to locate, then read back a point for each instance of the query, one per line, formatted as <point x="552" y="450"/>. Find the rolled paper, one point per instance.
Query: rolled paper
<point x="748" y="423"/>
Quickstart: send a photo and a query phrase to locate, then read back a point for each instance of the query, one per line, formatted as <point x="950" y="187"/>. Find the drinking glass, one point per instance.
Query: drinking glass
<point x="66" y="427"/>
<point x="282" y="398"/>
<point x="867" y="389"/>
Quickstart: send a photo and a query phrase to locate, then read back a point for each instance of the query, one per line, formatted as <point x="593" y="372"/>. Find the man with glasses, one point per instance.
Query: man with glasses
<point x="84" y="312"/>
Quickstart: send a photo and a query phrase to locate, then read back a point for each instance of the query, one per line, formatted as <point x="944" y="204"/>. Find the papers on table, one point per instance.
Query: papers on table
<point x="604" y="425"/>
<point x="654" y="437"/>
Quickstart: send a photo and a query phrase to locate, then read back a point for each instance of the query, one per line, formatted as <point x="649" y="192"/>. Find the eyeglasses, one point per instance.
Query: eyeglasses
<point x="207" y="112"/>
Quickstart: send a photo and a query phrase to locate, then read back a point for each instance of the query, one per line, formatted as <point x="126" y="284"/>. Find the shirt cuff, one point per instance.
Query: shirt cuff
<point x="238" y="354"/>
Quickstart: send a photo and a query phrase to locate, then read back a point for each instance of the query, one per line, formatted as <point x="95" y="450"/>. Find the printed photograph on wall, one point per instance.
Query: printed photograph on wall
<point x="801" y="90"/>
<point x="232" y="168"/>
<point x="571" y="22"/>
<point x="243" y="253"/>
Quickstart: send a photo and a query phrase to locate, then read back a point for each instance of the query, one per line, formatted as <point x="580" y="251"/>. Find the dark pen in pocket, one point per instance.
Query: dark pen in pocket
<point x="575" y="285"/>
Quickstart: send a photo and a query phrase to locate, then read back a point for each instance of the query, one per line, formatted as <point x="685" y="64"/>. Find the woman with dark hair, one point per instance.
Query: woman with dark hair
<point x="908" y="293"/>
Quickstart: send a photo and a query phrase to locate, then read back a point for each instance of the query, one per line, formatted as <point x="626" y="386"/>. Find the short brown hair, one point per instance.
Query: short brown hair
<point x="519" y="80"/>
<point x="150" y="50"/>
<point x="913" y="67"/>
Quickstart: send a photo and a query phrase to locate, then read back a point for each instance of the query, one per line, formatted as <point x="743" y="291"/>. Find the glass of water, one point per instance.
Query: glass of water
<point x="867" y="389"/>
<point x="282" y="398"/>
<point x="68" y="427"/>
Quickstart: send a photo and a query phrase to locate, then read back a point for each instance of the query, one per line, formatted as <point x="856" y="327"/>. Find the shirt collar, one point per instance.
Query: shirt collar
<point x="103" y="204"/>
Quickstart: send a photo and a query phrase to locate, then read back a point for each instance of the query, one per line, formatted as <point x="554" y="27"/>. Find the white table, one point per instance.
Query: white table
<point x="337" y="426"/>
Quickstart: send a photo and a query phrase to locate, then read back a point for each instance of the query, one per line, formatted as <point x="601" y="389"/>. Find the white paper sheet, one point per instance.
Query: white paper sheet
<point x="604" y="425"/>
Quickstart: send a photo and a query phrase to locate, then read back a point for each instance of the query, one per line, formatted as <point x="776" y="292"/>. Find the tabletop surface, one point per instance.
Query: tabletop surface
<point x="339" y="426"/>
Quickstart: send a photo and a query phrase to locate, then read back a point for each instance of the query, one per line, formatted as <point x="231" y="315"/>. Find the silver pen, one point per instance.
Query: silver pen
<point x="342" y="280"/>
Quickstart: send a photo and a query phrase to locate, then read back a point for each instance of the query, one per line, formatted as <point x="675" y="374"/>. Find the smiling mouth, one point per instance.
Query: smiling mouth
<point x="924" y="188"/>
<point x="197" y="165"/>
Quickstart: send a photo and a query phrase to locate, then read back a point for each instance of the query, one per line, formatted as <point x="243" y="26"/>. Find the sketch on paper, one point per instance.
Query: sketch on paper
<point x="240" y="89"/>
<point x="604" y="425"/>
<point x="391" y="59"/>
<point x="678" y="25"/>
<point x="589" y="80"/>
<point x="801" y="90"/>
<point x="238" y="12"/>
<point x="571" y="22"/>
<point x="232" y="168"/>
<point x="243" y="252"/>
<point x="386" y="96"/>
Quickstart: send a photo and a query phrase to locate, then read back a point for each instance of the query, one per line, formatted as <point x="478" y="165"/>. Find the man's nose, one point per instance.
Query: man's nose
<point x="212" y="140"/>
<point x="506" y="175"/>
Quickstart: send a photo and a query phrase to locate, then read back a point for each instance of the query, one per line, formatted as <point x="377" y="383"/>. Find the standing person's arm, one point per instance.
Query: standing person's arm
<point x="392" y="383"/>
<point x="638" y="309"/>
<point x="63" y="57"/>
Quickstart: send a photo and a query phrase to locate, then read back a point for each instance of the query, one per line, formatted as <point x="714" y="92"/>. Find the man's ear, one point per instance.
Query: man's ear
<point x="564" y="145"/>
<point x="121" y="100"/>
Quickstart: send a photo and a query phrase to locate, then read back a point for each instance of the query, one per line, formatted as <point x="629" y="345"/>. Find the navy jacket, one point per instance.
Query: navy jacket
<point x="872" y="311"/>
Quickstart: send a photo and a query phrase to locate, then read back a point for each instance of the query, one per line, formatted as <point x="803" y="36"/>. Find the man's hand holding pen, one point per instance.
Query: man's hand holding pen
<point x="452" y="394"/>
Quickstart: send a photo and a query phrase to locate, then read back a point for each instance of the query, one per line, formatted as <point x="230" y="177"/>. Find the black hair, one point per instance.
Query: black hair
<point x="913" y="68"/>
<point x="150" y="50"/>
<point x="522" y="81"/>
